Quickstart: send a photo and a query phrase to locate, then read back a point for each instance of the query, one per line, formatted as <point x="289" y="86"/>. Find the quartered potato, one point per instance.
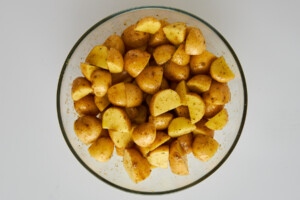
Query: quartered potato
<point x="162" y="121"/>
<point x="201" y="128"/>
<point x="87" y="70"/>
<point x="218" y="94"/>
<point x="200" y="64"/>
<point x="159" y="157"/>
<point x="116" y="42"/>
<point x="101" y="102"/>
<point x="196" y="107"/>
<point x="204" y="147"/>
<point x="185" y="142"/>
<point x="80" y="88"/>
<point x="178" y="159"/>
<point x="98" y="56"/>
<point x="182" y="90"/>
<point x="163" y="53"/>
<point x="158" y="38"/>
<point x="218" y="121"/>
<point x="144" y="134"/>
<point x="102" y="149"/>
<point x="134" y="95"/>
<point x="195" y="42"/>
<point x="180" y="57"/>
<point x="86" y="106"/>
<point x="121" y="139"/>
<point x="150" y="79"/>
<point x="117" y="94"/>
<point x="161" y="138"/>
<point x="134" y="39"/>
<point x="175" y="32"/>
<point x="116" y="119"/>
<point x="135" y="61"/>
<point x="199" y="83"/>
<point x="115" y="61"/>
<point x="220" y="71"/>
<point x="212" y="109"/>
<point x="148" y="25"/>
<point x="101" y="81"/>
<point x="175" y="72"/>
<point x="180" y="126"/>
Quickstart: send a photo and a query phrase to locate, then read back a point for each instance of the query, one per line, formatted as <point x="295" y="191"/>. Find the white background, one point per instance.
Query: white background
<point x="35" y="38"/>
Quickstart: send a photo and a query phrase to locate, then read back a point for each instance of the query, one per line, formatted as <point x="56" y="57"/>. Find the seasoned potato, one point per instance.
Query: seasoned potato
<point x="218" y="94"/>
<point x="137" y="167"/>
<point x="204" y="147"/>
<point x="115" y="61"/>
<point x="101" y="81"/>
<point x="87" y="70"/>
<point x="144" y="134"/>
<point x="182" y="90"/>
<point x="148" y="25"/>
<point x="199" y="83"/>
<point x="121" y="139"/>
<point x="163" y="101"/>
<point x="116" y="119"/>
<point x="142" y="115"/>
<point x="174" y="72"/>
<point x="218" y="121"/>
<point x="150" y="79"/>
<point x="200" y="64"/>
<point x="134" y="95"/>
<point x="117" y="94"/>
<point x="86" y="106"/>
<point x="162" y="121"/>
<point x="202" y="129"/>
<point x="159" y="157"/>
<point x="175" y="32"/>
<point x="185" y="142"/>
<point x="178" y="159"/>
<point x="101" y="102"/>
<point x="120" y="151"/>
<point x="163" y="53"/>
<point x="116" y="42"/>
<point x="134" y="39"/>
<point x="180" y="126"/>
<point x="161" y="138"/>
<point x="148" y="99"/>
<point x="98" y="56"/>
<point x="164" y="84"/>
<point x="180" y="57"/>
<point x="195" y="42"/>
<point x="135" y="61"/>
<point x="159" y="38"/>
<point x="196" y="107"/>
<point x="87" y="129"/>
<point x="212" y="109"/>
<point x="80" y="88"/>
<point x="132" y="112"/>
<point x="182" y="111"/>
<point x="121" y="77"/>
<point x="102" y="149"/>
<point x="220" y="71"/>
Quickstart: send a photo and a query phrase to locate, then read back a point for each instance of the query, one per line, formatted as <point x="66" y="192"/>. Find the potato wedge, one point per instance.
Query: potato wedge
<point x="180" y="57"/>
<point x="196" y="107"/>
<point x="163" y="53"/>
<point x="180" y="126"/>
<point x="134" y="39"/>
<point x="116" y="42"/>
<point x="101" y="102"/>
<point x="148" y="25"/>
<point x="204" y="147"/>
<point x="150" y="79"/>
<point x="164" y="84"/>
<point x="175" y="32"/>
<point x="220" y="71"/>
<point x="159" y="38"/>
<point x="102" y="149"/>
<point x="199" y="83"/>
<point x="174" y="72"/>
<point x="142" y="115"/>
<point x="87" y="129"/>
<point x="86" y="106"/>
<point x="202" y="129"/>
<point x="218" y="121"/>
<point x="161" y="138"/>
<point x="212" y="109"/>
<point x="121" y="77"/>
<point x="115" y="62"/>
<point x="178" y="159"/>
<point x="116" y="119"/>
<point x="121" y="139"/>
<point x="182" y="90"/>
<point x="185" y="142"/>
<point x="218" y="94"/>
<point x="101" y="81"/>
<point x="117" y="94"/>
<point x="144" y="134"/>
<point x="134" y="95"/>
<point x="80" y="88"/>
<point x="162" y="121"/>
<point x="135" y="61"/>
<point x="87" y="70"/>
<point x="159" y="157"/>
<point x="195" y="42"/>
<point x="98" y="56"/>
<point x="200" y="64"/>
<point x="182" y="111"/>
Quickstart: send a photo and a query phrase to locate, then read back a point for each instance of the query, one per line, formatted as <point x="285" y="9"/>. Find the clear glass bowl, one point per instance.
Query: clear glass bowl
<point x="160" y="180"/>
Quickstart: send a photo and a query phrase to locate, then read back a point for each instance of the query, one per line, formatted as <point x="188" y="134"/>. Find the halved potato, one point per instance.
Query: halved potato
<point x="80" y="88"/>
<point x="182" y="111"/>
<point x="218" y="121"/>
<point x="148" y="25"/>
<point x="196" y="107"/>
<point x="180" y="57"/>
<point x="195" y="42"/>
<point x="116" y="42"/>
<point x="212" y="109"/>
<point x="144" y="134"/>
<point x="98" y="56"/>
<point x="102" y="149"/>
<point x="200" y="64"/>
<point x="218" y="94"/>
<point x="162" y="121"/>
<point x="163" y="53"/>
<point x="202" y="129"/>
<point x="178" y="159"/>
<point x="135" y="61"/>
<point x="174" y="72"/>
<point x="220" y="71"/>
<point x="101" y="102"/>
<point x="182" y="90"/>
<point x="134" y="39"/>
<point x="121" y="77"/>
<point x="116" y="119"/>
<point x="134" y="95"/>
<point x="159" y="157"/>
<point x="186" y="142"/>
<point x="101" y="81"/>
<point x="180" y="126"/>
<point x="117" y="94"/>
<point x="87" y="70"/>
<point x="175" y="32"/>
<point x="121" y="139"/>
<point x="159" y="38"/>
<point x="204" y="147"/>
<point x="115" y="61"/>
<point x="150" y="79"/>
<point x="86" y="106"/>
<point x="199" y="83"/>
<point x="161" y="138"/>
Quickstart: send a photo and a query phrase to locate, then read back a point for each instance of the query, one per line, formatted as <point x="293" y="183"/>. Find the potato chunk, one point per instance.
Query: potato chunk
<point x="180" y="126"/>
<point x="204" y="147"/>
<point x="218" y="121"/>
<point x="175" y="32"/>
<point x="148" y="25"/>
<point x="220" y="71"/>
<point x="102" y="149"/>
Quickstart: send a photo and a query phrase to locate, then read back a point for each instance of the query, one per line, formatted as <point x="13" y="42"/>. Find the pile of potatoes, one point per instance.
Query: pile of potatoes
<point x="155" y="94"/>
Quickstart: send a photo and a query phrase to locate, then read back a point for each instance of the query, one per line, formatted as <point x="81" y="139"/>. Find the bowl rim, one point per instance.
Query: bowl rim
<point x="115" y="185"/>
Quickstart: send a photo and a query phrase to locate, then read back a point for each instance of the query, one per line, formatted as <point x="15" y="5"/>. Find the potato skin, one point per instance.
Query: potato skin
<point x="212" y="109"/>
<point x="178" y="159"/>
<point x="202" y="129"/>
<point x="102" y="149"/>
<point x="87" y="70"/>
<point x="101" y="102"/>
<point x="117" y="94"/>
<point x="135" y="61"/>
<point x="182" y="111"/>
<point x="185" y="142"/>
<point x="199" y="83"/>
<point x="81" y="87"/>
<point x="174" y="72"/>
<point x="218" y="94"/>
<point x="200" y="64"/>
<point x="101" y="81"/>
<point x="87" y="128"/>
<point x="144" y="134"/>
<point x="162" y="121"/>
<point x="159" y="38"/>
<point x="134" y="95"/>
<point x="180" y="57"/>
<point x="115" y="41"/>
<point x="195" y="42"/>
<point x="121" y="77"/>
<point x="150" y="79"/>
<point x="204" y="147"/>
<point x="86" y="106"/>
<point x="163" y="53"/>
<point x="134" y="39"/>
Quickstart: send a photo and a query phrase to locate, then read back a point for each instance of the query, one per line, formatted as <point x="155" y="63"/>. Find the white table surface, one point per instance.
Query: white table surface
<point x="35" y="38"/>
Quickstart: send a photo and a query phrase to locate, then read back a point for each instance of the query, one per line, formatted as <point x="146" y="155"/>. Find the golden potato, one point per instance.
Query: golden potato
<point x="80" y="88"/>
<point x="182" y="90"/>
<point x="185" y="142"/>
<point x="199" y="83"/>
<point x="218" y="94"/>
<point x="121" y="77"/>
<point x="175" y="32"/>
<point x="218" y="121"/>
<point x="180" y="126"/>
<point x="204" y="147"/>
<point x="134" y="95"/>
<point x="98" y="56"/>
<point x="161" y="138"/>
<point x="148" y="99"/>
<point x="148" y="25"/>
<point x="101" y="102"/>
<point x="86" y="106"/>
<point x="87" y="70"/>
<point x="162" y="121"/>
<point x="121" y="139"/>
<point x="212" y="109"/>
<point x="117" y="94"/>
<point x="101" y="81"/>
<point x="174" y="72"/>
<point x="120" y="151"/>
<point x="200" y="64"/>
<point x="163" y="101"/>
<point x="180" y="57"/>
<point x="159" y="38"/>
<point x="195" y="42"/>
<point x="142" y="115"/>
<point x="87" y="128"/>
<point x="116" y="119"/>
<point x="144" y="134"/>
<point x="196" y="107"/>
<point x="163" y="53"/>
<point x="220" y="71"/>
<point x="116" y="42"/>
<point x="137" y="167"/>
<point x="102" y="149"/>
<point x="202" y="129"/>
<point x="164" y="84"/>
<point x="132" y="112"/>
<point x="134" y="39"/>
<point x="135" y="61"/>
<point x="115" y="62"/>
<point x="150" y="79"/>
<point x="159" y="157"/>
<point x="182" y="111"/>
<point x="178" y="159"/>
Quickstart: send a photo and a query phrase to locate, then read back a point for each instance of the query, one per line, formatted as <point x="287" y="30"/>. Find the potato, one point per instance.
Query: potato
<point x="150" y="79"/>
<point x="137" y="167"/>
<point x="101" y="102"/>
<point x="117" y="94"/>
<point x="218" y="121"/>
<point x="134" y="39"/>
<point x="182" y="90"/>
<point x="164" y="84"/>
<point x="163" y="53"/>
<point x="218" y="94"/>
<point x="104" y="133"/>
<point x="132" y="112"/>
<point x="180" y="57"/>
<point x="115" y="62"/>
<point x="175" y="32"/>
<point x="161" y="138"/>
<point x="174" y="72"/>
<point x="120" y="151"/>
<point x="195" y="42"/>
<point x="116" y="42"/>
<point x="121" y="139"/>
<point x="80" y="88"/>
<point x="148" y="99"/>
<point x="102" y="149"/>
<point x="159" y="157"/>
<point x="98" y="56"/>
<point x="182" y="111"/>
<point x="178" y="159"/>
<point x="211" y="109"/>
<point x="163" y="101"/>
<point x="199" y="83"/>
<point x="220" y="71"/>
<point x="185" y="142"/>
<point x="86" y="106"/>
<point x="87" y="70"/>
<point x="135" y="61"/>
<point x="101" y="81"/>
<point x="202" y="129"/>
<point x="142" y="115"/>
<point x="144" y="134"/>
<point x="116" y="119"/>
<point x="121" y="77"/>
<point x="180" y="126"/>
<point x="204" y="147"/>
<point x="148" y="25"/>
<point x="200" y="64"/>
<point x="196" y="107"/>
<point x="162" y="121"/>
<point x="159" y="38"/>
<point x="134" y="95"/>
<point x="87" y="129"/>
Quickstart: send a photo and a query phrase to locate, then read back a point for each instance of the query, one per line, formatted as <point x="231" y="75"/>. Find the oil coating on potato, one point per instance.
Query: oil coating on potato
<point x="80" y="88"/>
<point x="98" y="56"/>
<point x="115" y="41"/>
<point x="204" y="147"/>
<point x="162" y="121"/>
<point x="101" y="102"/>
<point x="144" y="134"/>
<point x="101" y="81"/>
<point x="178" y="159"/>
<point x="218" y="94"/>
<point x="180" y="57"/>
<point x="163" y="53"/>
<point x="86" y="106"/>
<point x="135" y="61"/>
<point x="174" y="72"/>
<point x="150" y="79"/>
<point x="102" y="149"/>
<point x="195" y="42"/>
<point x="200" y="64"/>
<point x="117" y="94"/>
<point x="134" y="39"/>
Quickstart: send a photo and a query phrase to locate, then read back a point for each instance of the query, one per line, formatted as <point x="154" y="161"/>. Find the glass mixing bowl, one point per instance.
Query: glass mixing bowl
<point x="161" y="180"/>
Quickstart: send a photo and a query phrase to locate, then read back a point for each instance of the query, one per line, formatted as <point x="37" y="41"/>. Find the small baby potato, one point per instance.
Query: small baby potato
<point x="182" y="111"/>
<point x="86" y="106"/>
<point x="134" y="95"/>
<point x="204" y="147"/>
<point x="121" y="77"/>
<point x="182" y="90"/>
<point x="218" y="94"/>
<point x="199" y="83"/>
<point x="142" y="115"/>
<point x="220" y="71"/>
<point x="195" y="42"/>
<point x="116" y="42"/>
<point x="180" y="57"/>
<point x="175" y="32"/>
<point x="185" y="142"/>
<point x="163" y="53"/>
<point x="159" y="157"/>
<point x="180" y="126"/>
<point x="158" y="38"/>
<point x="117" y="94"/>
<point x="174" y="72"/>
<point x="102" y="149"/>
<point x="87" y="129"/>
<point x="164" y="84"/>
<point x="101" y="81"/>
<point x="148" y="25"/>
<point x="162" y="121"/>
<point x="80" y="88"/>
<point x="87" y="70"/>
<point x="116" y="119"/>
<point x="178" y="159"/>
<point x="98" y="56"/>
<point x="144" y="134"/>
<point x="202" y="129"/>
<point x="211" y="109"/>
<point x="200" y="64"/>
<point x="135" y="61"/>
<point x="101" y="102"/>
<point x="121" y="139"/>
<point x="115" y="61"/>
<point x="134" y="39"/>
<point x="218" y="121"/>
<point x="196" y="107"/>
<point x="150" y="79"/>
